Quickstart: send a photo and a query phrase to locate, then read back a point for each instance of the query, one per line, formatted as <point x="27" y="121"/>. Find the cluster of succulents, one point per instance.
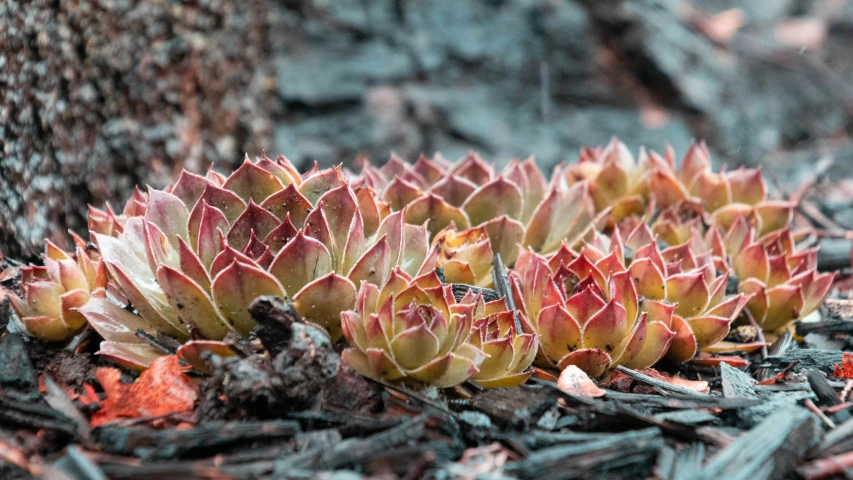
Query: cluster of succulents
<point x="613" y="261"/>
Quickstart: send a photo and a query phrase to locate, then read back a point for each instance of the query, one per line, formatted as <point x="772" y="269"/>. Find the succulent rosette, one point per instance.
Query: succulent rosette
<point x="617" y="181"/>
<point x="782" y="280"/>
<point x="516" y="207"/>
<point x="204" y="249"/>
<point x="411" y="330"/>
<point x="508" y="342"/>
<point x="586" y="317"/>
<point x="465" y="257"/>
<point x="52" y="293"/>
<point x="726" y="196"/>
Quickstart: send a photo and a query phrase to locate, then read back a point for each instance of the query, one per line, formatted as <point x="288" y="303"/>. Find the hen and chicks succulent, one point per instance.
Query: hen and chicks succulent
<point x="614" y="261"/>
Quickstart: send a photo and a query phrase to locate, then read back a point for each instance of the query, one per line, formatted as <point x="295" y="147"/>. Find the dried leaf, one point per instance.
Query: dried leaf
<point x="695" y="385"/>
<point x="160" y="390"/>
<point x="845" y="369"/>
<point x="575" y="381"/>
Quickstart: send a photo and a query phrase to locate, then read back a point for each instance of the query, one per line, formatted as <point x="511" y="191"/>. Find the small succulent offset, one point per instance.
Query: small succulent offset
<point x="357" y="255"/>
<point x="412" y="330"/>
<point x="53" y="293"/>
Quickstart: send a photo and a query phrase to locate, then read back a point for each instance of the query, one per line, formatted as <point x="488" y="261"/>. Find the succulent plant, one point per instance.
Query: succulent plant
<point x="617" y="181"/>
<point x="411" y="330"/>
<point x="204" y="249"/>
<point x="465" y="257"/>
<point x="725" y="196"/>
<point x="587" y="318"/>
<point x="53" y="292"/>
<point x="515" y="207"/>
<point x="507" y="340"/>
<point x="783" y="281"/>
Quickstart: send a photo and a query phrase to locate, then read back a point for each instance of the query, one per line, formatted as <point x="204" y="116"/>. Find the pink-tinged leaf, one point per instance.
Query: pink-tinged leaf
<point x="70" y="276"/>
<point x="169" y="214"/>
<point x="695" y="160"/>
<point x="730" y="308"/>
<point x="194" y="351"/>
<point x="683" y="345"/>
<point x="505" y="235"/>
<point x="430" y="171"/>
<point x="499" y="360"/>
<point x="473" y="168"/>
<point x="716" y="361"/>
<point x="506" y="381"/>
<point x="382" y="365"/>
<point x="230" y="206"/>
<point x="416" y="257"/>
<point x="236" y="287"/>
<point x="253" y="219"/>
<point x="730" y="347"/>
<point x="784" y="305"/>
<point x="816" y="291"/>
<point x="431" y="208"/>
<point x="317" y="226"/>
<point x="559" y="333"/>
<point x="300" y="262"/>
<point x="665" y="189"/>
<point x="395" y="166"/>
<point x="611" y="183"/>
<point x="774" y="216"/>
<point x="284" y="175"/>
<point x="778" y="271"/>
<point x="414" y="347"/>
<point x="752" y="262"/>
<point x="709" y="330"/>
<point x="689" y="291"/>
<point x="459" y="370"/>
<point x="584" y="305"/>
<point x="159" y="249"/>
<point x="757" y="303"/>
<point x="189" y="188"/>
<point x="135" y="206"/>
<point x="353" y="329"/>
<point x="606" y="329"/>
<point x="281" y="235"/>
<point x="211" y="225"/>
<point x="655" y="345"/>
<point x="747" y="185"/>
<point x="192" y="305"/>
<point x="575" y="381"/>
<point x="288" y="202"/>
<point x="315" y="184"/>
<point x="592" y="361"/>
<point x="323" y="300"/>
<point x="252" y="183"/>
<point x="114" y="323"/>
<point x="400" y="193"/>
<point x="563" y="215"/>
<point x="373" y="266"/>
<point x="214" y="177"/>
<point x="49" y="329"/>
<point x="368" y="206"/>
<point x="713" y="189"/>
<point x="622" y="289"/>
<point x="291" y="169"/>
<point x="454" y="190"/>
<point x="68" y="304"/>
<point x="494" y="199"/>
<point x="728" y="215"/>
<point x="226" y="257"/>
<point x="133" y="356"/>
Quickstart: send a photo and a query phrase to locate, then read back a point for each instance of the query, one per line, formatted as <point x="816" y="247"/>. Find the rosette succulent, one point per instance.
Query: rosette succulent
<point x="783" y="281"/>
<point x="507" y="340"/>
<point x="514" y="207"/>
<point x="52" y="293"/>
<point x="587" y="318"/>
<point x="203" y="249"/>
<point x="411" y="330"/>
<point x="725" y="196"/>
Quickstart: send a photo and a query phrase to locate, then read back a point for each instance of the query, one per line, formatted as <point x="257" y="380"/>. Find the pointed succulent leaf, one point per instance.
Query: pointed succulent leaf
<point x="323" y="300"/>
<point x="236" y="287"/>
<point x="300" y="262"/>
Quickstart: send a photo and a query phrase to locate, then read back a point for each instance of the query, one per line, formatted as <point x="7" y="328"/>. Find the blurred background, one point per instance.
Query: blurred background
<point x="97" y="96"/>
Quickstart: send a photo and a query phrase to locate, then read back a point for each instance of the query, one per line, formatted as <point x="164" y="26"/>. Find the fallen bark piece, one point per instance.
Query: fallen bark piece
<point x="809" y="358"/>
<point x="736" y="384"/>
<point x="830" y="467"/>
<point x="632" y="450"/>
<point x="161" y="390"/>
<point x="575" y="381"/>
<point x="206" y="440"/>
<point x="770" y="450"/>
